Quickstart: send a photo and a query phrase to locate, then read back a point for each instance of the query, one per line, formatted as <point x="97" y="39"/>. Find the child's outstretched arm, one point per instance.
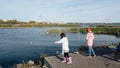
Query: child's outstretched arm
<point x="58" y="42"/>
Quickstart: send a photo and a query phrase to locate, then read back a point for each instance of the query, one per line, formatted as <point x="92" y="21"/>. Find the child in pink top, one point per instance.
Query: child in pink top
<point x="89" y="40"/>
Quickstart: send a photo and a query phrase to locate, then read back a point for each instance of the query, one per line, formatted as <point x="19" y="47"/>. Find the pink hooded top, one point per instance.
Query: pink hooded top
<point x="89" y="38"/>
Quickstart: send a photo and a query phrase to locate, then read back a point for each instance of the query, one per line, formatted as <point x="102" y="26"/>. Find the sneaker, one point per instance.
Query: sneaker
<point x="94" y="56"/>
<point x="69" y="60"/>
<point x="64" y="60"/>
<point x="89" y="56"/>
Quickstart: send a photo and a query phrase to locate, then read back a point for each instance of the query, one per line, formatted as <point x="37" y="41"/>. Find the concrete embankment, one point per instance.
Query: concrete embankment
<point x="82" y="61"/>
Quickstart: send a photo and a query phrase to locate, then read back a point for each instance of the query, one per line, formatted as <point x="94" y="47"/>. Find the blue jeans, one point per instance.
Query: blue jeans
<point x="91" y="50"/>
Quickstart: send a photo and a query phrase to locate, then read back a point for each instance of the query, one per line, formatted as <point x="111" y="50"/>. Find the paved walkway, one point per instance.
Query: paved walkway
<point x="82" y="61"/>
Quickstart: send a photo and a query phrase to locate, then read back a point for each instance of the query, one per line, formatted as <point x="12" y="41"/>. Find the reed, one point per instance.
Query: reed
<point x="97" y="30"/>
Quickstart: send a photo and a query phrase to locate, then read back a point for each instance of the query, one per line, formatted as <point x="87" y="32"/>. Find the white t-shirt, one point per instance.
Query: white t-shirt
<point x="64" y="42"/>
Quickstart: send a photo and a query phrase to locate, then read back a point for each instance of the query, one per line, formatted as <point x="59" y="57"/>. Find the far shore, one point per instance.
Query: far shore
<point x="73" y="28"/>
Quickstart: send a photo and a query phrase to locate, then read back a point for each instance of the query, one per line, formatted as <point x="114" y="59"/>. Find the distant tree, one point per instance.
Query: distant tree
<point x="11" y="22"/>
<point x="32" y="22"/>
<point x="1" y="21"/>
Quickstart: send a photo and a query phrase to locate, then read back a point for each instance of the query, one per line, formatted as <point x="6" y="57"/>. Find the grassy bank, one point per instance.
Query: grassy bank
<point x="36" y="25"/>
<point x="97" y="30"/>
<point x="104" y="30"/>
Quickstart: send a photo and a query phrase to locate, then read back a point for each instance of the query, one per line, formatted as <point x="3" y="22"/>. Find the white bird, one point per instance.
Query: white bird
<point x="57" y="52"/>
<point x="30" y="42"/>
<point x="47" y="32"/>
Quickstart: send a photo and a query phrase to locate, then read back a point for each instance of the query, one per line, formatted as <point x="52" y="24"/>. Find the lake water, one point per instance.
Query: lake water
<point x="18" y="44"/>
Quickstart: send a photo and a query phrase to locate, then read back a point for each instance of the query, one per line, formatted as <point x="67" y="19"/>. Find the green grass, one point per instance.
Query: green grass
<point x="36" y="25"/>
<point x="100" y="30"/>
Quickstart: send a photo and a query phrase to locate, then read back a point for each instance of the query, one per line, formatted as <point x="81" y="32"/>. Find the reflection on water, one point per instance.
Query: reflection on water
<point x="19" y="44"/>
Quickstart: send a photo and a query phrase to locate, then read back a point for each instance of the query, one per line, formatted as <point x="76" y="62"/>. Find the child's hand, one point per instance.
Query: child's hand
<point x="56" y="42"/>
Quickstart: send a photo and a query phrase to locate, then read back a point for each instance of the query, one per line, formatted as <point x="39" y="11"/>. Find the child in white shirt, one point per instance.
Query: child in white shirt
<point x="65" y="48"/>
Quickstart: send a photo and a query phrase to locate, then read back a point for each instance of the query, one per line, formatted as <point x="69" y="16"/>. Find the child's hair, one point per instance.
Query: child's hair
<point x="88" y="29"/>
<point x="62" y="35"/>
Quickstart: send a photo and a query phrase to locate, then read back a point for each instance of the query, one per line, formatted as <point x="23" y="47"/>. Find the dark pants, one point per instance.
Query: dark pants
<point x="66" y="55"/>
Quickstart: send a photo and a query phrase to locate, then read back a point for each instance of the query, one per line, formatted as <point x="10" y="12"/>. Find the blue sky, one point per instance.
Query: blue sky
<point x="61" y="10"/>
